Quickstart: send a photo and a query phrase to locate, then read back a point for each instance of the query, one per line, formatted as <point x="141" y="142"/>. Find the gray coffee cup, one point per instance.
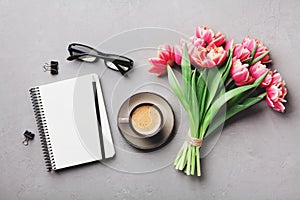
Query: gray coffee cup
<point x="145" y="119"/>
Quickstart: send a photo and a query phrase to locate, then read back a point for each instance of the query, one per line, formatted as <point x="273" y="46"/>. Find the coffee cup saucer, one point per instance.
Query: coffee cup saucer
<point x="158" y="139"/>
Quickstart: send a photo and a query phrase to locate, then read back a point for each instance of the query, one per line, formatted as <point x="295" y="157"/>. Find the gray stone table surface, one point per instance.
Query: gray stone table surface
<point x="255" y="157"/>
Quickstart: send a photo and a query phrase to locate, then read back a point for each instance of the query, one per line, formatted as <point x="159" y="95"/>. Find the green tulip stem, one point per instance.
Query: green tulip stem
<point x="228" y="82"/>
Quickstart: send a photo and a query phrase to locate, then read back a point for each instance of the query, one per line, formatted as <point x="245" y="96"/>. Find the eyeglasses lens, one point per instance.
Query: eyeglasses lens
<point x="78" y="49"/>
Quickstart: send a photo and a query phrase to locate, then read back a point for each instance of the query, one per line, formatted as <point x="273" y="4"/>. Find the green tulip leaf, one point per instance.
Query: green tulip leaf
<point x="213" y="83"/>
<point x="220" y="101"/>
<point x="186" y="72"/>
<point x="253" y="52"/>
<point x="201" y="93"/>
<point x="231" y="112"/>
<point x="176" y="88"/>
<point x="194" y="104"/>
<point x="259" y="57"/>
<point x="227" y="67"/>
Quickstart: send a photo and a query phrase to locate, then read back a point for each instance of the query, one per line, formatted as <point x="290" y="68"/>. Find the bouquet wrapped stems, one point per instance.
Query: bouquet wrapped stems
<point x="217" y="75"/>
<point x="188" y="158"/>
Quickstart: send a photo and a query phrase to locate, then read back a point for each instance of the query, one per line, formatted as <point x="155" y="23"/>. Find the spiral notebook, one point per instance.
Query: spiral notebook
<point x="72" y="122"/>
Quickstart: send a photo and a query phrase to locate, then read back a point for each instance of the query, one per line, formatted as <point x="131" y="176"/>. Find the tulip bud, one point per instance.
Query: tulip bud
<point x="276" y="92"/>
<point x="249" y="43"/>
<point x="204" y="33"/>
<point x="165" y="57"/>
<point x="258" y="69"/>
<point x="240" y="73"/>
<point x="229" y="45"/>
<point x="218" y="55"/>
<point x="240" y="52"/>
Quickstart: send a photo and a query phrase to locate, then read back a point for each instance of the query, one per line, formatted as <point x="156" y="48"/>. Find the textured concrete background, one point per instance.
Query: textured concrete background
<point x="256" y="157"/>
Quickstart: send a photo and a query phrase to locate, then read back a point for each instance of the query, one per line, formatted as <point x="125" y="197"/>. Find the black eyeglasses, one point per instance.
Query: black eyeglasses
<point x="89" y="54"/>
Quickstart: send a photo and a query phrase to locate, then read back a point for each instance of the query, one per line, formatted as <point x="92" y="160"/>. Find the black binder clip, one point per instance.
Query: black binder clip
<point x="27" y="136"/>
<point x="52" y="67"/>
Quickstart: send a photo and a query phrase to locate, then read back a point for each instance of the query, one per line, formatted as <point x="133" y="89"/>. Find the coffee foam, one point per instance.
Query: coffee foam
<point x="146" y="119"/>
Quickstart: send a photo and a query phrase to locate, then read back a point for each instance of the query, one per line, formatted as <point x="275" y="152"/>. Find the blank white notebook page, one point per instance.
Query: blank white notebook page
<point x="72" y="124"/>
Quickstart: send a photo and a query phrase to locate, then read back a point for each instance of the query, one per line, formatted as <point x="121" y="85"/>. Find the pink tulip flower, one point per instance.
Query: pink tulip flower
<point x="261" y="49"/>
<point x="240" y="73"/>
<point x="193" y="45"/>
<point x="202" y="58"/>
<point x="276" y="93"/>
<point x="276" y="78"/>
<point x="229" y="45"/>
<point x="165" y="57"/>
<point x="240" y="52"/>
<point x="178" y="49"/>
<point x="205" y="33"/>
<point x="217" y="41"/>
<point x="194" y="42"/>
<point x="178" y="54"/>
<point x="218" y="55"/>
<point x="267" y="81"/>
<point x="249" y="43"/>
<point x="257" y="70"/>
<point x="198" y="58"/>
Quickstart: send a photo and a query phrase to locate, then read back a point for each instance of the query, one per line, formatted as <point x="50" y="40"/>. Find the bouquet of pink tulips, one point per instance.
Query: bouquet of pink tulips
<point x="215" y="74"/>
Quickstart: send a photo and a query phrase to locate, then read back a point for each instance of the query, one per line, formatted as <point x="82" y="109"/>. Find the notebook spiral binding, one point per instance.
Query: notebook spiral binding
<point x="42" y="128"/>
